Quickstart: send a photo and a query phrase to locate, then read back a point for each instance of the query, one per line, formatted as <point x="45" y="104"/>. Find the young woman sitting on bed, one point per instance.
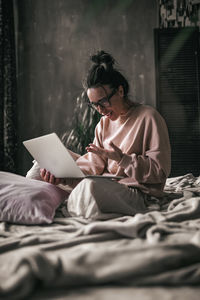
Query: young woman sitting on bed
<point x="131" y="140"/>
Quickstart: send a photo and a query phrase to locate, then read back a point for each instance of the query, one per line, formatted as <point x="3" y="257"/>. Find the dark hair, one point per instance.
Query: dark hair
<point x="102" y="72"/>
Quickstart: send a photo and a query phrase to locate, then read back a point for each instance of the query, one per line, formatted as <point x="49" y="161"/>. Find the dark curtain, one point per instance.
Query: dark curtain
<point x="8" y="98"/>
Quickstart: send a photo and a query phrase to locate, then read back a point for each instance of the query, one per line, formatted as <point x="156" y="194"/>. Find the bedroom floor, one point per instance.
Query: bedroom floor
<point x="121" y="293"/>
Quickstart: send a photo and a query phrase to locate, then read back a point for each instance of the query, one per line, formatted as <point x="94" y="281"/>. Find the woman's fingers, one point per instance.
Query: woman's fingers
<point x="52" y="179"/>
<point x="93" y="148"/>
<point x="114" y="154"/>
<point x="48" y="177"/>
<point x="42" y="172"/>
<point x="118" y="152"/>
<point x="115" y="147"/>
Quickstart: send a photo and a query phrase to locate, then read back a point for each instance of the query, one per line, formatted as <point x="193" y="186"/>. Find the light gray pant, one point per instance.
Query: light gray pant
<point x="99" y="198"/>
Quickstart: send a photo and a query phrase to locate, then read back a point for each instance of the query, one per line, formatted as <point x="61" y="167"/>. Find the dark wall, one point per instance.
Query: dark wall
<point x="54" y="40"/>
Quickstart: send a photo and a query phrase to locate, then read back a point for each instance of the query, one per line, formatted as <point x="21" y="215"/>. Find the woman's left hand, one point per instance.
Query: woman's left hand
<point x="114" y="154"/>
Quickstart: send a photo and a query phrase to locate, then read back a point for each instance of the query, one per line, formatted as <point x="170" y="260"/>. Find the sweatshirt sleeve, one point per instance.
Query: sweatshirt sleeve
<point x="153" y="165"/>
<point x="90" y="163"/>
<point x="34" y="172"/>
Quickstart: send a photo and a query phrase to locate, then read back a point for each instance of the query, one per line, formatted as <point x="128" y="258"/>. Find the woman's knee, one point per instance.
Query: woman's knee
<point x="81" y="201"/>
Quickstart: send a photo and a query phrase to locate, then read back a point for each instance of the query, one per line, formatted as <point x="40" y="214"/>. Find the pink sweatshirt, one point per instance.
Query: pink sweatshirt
<point x="142" y="136"/>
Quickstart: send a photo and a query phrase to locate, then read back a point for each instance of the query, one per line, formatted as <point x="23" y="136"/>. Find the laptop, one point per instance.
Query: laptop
<point x="52" y="155"/>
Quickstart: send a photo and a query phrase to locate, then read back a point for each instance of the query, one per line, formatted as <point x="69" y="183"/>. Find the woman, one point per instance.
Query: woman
<point x="131" y="140"/>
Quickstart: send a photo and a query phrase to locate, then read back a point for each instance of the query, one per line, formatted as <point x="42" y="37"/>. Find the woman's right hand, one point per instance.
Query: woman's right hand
<point x="50" y="178"/>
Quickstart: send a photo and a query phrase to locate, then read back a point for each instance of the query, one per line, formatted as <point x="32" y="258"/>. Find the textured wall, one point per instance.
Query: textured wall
<point x="54" y="39"/>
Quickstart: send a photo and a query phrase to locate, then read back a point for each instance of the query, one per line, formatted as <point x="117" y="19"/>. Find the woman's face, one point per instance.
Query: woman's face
<point x="113" y="108"/>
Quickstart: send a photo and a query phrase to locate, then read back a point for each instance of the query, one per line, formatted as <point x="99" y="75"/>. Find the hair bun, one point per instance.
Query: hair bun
<point x="103" y="58"/>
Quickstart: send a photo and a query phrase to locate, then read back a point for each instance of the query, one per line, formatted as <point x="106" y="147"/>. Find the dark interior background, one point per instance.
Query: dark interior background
<point x="54" y="40"/>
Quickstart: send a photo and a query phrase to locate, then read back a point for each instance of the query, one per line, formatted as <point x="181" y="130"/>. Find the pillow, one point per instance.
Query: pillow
<point x="28" y="201"/>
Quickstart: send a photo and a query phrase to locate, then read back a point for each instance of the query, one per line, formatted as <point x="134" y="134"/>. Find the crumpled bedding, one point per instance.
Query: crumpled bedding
<point x="160" y="247"/>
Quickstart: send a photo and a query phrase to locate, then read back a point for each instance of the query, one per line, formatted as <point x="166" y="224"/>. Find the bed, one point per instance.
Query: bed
<point x="155" y="255"/>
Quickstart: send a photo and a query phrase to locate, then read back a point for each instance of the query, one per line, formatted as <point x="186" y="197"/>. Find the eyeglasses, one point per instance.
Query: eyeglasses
<point x="104" y="102"/>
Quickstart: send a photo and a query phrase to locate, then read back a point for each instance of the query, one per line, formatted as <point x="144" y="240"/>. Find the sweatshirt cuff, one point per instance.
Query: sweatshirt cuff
<point x="125" y="161"/>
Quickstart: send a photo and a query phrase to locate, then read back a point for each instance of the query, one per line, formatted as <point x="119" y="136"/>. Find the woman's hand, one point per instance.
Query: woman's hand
<point x="50" y="178"/>
<point x="114" y="154"/>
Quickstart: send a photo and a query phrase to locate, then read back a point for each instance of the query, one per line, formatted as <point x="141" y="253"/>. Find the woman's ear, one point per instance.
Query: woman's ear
<point x="121" y="91"/>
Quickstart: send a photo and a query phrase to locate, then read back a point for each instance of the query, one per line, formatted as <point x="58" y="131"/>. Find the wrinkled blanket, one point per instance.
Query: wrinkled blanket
<point x="160" y="247"/>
